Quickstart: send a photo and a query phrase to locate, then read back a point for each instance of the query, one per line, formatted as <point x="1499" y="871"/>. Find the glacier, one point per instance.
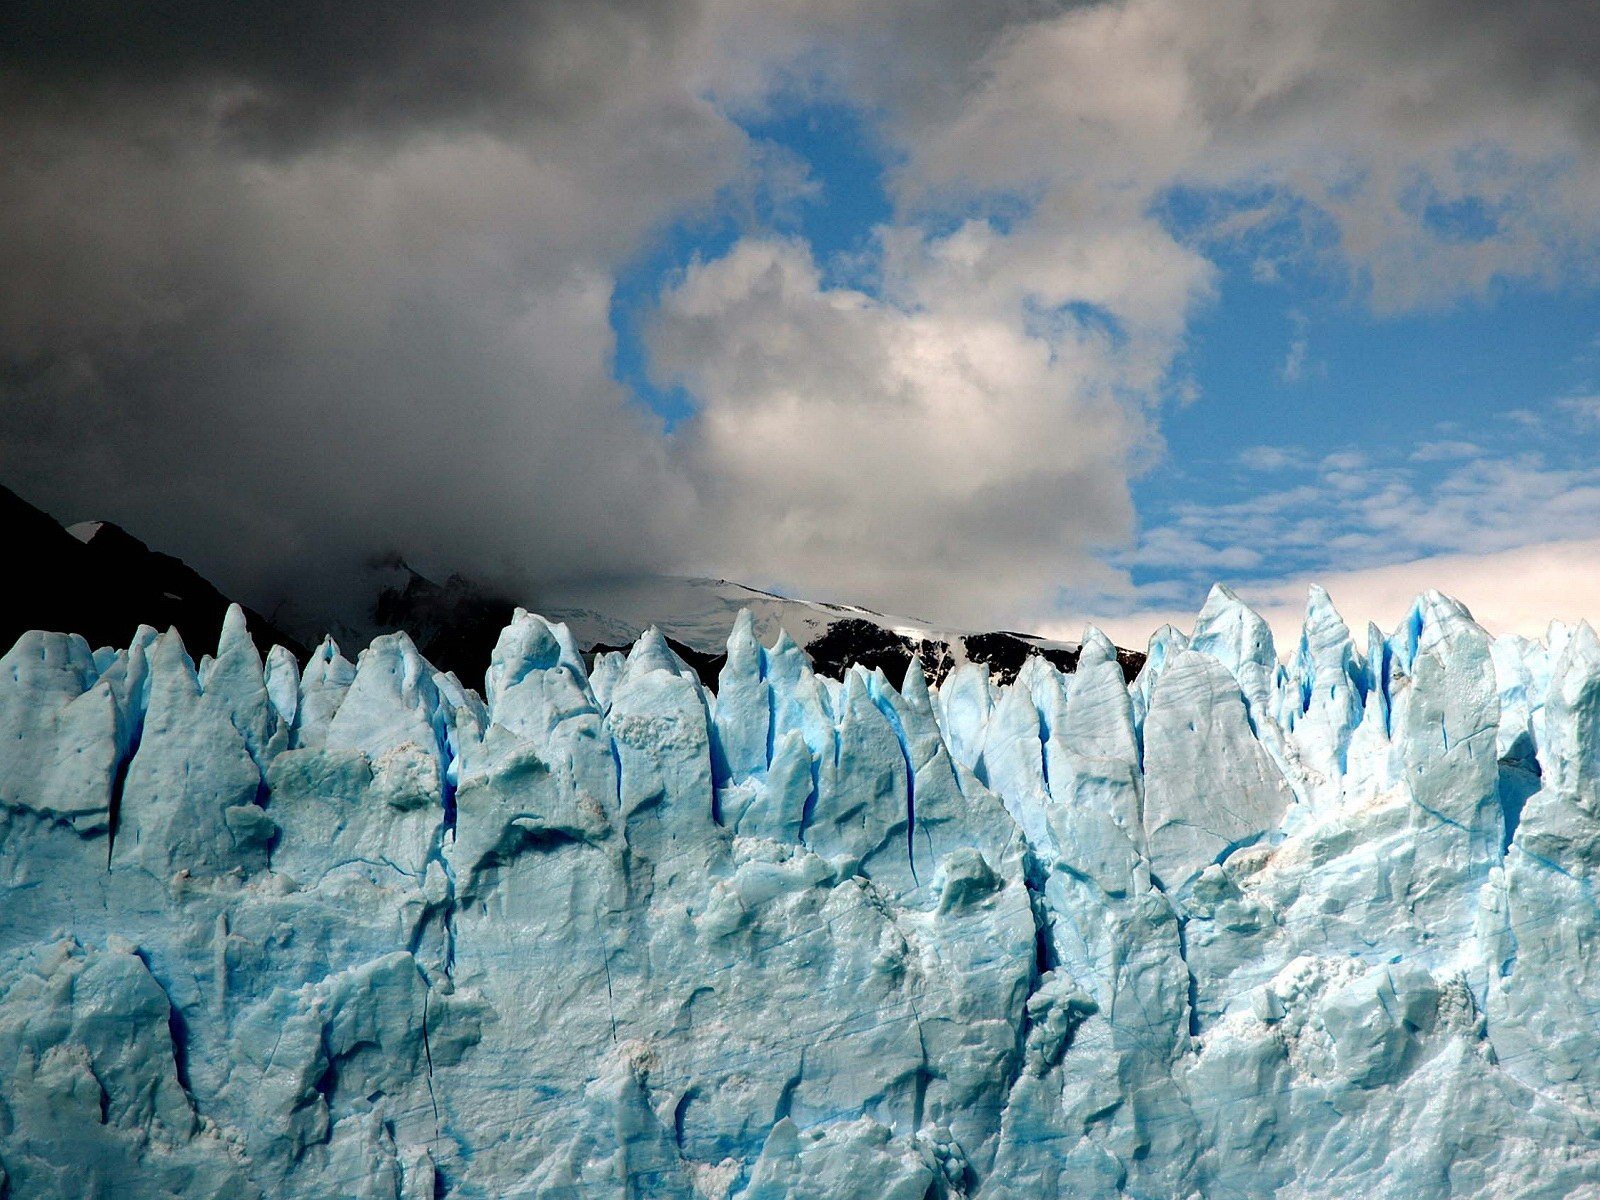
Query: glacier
<point x="1252" y="925"/>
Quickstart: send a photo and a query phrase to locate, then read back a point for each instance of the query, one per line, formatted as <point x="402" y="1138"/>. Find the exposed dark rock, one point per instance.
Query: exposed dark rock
<point x="455" y="625"/>
<point x="937" y="660"/>
<point x="872" y="646"/>
<point x="854" y="640"/>
<point x="1004" y="653"/>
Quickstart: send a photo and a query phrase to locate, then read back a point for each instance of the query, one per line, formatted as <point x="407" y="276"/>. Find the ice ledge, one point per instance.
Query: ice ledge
<point x="1246" y="926"/>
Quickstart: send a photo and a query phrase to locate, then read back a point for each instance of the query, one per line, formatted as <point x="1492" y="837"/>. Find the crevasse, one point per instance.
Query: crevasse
<point x="1250" y="926"/>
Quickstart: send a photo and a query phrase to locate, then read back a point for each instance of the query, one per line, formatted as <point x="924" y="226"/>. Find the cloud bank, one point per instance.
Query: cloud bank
<point x="288" y="285"/>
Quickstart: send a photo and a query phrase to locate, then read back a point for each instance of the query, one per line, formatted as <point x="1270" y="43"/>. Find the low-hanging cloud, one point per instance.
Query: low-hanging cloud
<point x="280" y="306"/>
<point x="290" y="284"/>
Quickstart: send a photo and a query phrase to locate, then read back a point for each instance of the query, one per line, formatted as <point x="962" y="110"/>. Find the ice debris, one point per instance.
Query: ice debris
<point x="1249" y="926"/>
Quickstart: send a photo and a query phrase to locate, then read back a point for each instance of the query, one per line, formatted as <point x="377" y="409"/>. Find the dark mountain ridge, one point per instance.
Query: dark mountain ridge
<point x="103" y="583"/>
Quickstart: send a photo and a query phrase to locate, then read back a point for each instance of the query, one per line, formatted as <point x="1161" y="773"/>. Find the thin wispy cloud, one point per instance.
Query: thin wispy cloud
<point x="1447" y="514"/>
<point x="1297" y="362"/>
<point x="1445" y="451"/>
<point x="1583" y="408"/>
<point x="1272" y="458"/>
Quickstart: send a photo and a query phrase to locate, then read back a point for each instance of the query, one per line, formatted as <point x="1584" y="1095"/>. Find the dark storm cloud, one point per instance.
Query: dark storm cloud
<point x="289" y="75"/>
<point x="1540" y="49"/>
<point x="286" y="284"/>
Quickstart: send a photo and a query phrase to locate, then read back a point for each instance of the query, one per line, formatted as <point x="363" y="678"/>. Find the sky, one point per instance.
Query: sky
<point x="1014" y="314"/>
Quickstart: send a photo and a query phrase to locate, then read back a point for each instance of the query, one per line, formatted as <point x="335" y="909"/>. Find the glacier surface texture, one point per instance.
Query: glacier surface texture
<point x="1248" y="926"/>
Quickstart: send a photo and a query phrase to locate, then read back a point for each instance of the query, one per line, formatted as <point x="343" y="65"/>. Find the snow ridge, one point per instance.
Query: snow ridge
<point x="1246" y="926"/>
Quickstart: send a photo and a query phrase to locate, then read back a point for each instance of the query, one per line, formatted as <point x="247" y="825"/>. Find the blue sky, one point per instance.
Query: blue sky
<point x="1302" y="364"/>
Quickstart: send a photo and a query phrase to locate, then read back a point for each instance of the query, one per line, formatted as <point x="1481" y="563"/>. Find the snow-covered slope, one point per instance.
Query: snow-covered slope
<point x="1240" y="928"/>
<point x="456" y="623"/>
<point x="698" y="612"/>
<point x="698" y="615"/>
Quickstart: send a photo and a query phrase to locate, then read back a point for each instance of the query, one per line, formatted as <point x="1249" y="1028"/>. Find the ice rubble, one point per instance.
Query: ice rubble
<point x="1241" y="928"/>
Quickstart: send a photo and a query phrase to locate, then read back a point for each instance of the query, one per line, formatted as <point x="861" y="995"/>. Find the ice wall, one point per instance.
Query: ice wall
<point x="1247" y="927"/>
